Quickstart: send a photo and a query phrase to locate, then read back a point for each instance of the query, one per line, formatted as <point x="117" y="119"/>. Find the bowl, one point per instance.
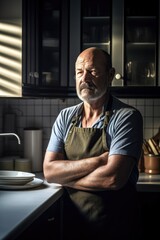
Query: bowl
<point x="152" y="164"/>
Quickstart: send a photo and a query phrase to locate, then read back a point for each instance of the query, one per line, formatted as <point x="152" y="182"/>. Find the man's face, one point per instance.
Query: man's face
<point x="91" y="76"/>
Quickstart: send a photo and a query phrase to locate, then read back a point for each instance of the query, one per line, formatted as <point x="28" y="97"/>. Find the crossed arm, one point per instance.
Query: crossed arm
<point x="94" y="173"/>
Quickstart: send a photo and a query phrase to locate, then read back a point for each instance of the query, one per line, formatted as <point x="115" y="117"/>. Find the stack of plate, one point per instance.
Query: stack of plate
<point x="18" y="180"/>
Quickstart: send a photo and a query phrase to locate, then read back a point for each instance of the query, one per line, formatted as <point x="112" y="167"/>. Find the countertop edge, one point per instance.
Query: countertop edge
<point x="14" y="226"/>
<point x="34" y="215"/>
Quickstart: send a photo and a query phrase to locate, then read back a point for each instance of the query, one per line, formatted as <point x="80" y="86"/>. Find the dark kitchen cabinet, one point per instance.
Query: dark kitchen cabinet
<point x="56" y="31"/>
<point x="135" y="49"/>
<point x="45" y="47"/>
<point x="96" y="24"/>
<point x="48" y="225"/>
<point x="150" y="211"/>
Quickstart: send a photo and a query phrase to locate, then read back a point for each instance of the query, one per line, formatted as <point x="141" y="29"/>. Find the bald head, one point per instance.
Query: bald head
<point x="96" y="55"/>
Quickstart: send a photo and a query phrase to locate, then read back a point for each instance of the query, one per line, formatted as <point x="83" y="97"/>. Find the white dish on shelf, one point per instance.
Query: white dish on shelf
<point x="32" y="184"/>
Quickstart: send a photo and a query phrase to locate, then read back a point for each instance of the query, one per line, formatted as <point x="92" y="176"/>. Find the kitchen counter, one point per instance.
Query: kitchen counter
<point x="20" y="208"/>
<point x="148" y="183"/>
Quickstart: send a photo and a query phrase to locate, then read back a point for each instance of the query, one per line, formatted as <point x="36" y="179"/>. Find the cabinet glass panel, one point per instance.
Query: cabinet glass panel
<point x="96" y="24"/>
<point x="140" y="43"/>
<point x="50" y="60"/>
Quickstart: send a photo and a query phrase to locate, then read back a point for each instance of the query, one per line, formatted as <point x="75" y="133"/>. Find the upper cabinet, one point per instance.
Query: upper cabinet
<point x="96" y="24"/>
<point x="56" y="31"/>
<point x="135" y="48"/>
<point x="45" y="47"/>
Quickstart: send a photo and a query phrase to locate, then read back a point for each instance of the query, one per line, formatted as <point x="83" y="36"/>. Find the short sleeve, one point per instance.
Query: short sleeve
<point x="126" y="133"/>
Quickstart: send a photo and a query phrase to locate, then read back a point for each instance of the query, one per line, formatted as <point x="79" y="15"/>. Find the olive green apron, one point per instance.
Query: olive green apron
<point x="95" y="210"/>
<point x="85" y="143"/>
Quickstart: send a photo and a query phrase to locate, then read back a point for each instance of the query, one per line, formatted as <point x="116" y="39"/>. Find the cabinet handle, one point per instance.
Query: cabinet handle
<point x="51" y="219"/>
<point x="118" y="76"/>
<point x="36" y="74"/>
<point x="31" y="74"/>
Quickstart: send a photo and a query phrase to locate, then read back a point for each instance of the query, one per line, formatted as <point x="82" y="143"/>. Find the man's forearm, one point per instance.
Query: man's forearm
<point x="65" y="171"/>
<point x="110" y="176"/>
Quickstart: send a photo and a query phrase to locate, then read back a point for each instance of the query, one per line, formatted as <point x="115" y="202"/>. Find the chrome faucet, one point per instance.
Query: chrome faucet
<point x="11" y="134"/>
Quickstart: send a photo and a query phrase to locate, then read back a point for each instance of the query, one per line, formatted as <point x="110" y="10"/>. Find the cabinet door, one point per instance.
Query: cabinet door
<point x="56" y="31"/>
<point x="150" y="210"/>
<point x="90" y="25"/>
<point x="110" y="25"/>
<point x="48" y="225"/>
<point x="118" y="41"/>
<point x="135" y="43"/>
<point x="141" y="43"/>
<point x="45" y="49"/>
<point x="96" y="24"/>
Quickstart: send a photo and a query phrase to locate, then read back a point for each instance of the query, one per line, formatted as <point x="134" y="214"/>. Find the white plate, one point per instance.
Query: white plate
<point x="34" y="183"/>
<point x="15" y="175"/>
<point x="15" y="181"/>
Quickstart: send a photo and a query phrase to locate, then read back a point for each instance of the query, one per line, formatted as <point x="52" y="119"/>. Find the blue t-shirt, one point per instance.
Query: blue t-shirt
<point x="124" y="132"/>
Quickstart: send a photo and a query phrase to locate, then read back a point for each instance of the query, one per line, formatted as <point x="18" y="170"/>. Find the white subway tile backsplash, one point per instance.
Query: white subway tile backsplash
<point x="156" y="111"/>
<point x="41" y="113"/>
<point x="38" y="110"/>
<point x="156" y="102"/>
<point x="30" y="109"/>
<point x="38" y="102"/>
<point x="148" y="111"/>
<point x="54" y="110"/>
<point x="46" y="121"/>
<point x="46" y="110"/>
<point x="21" y="121"/>
<point x="141" y="109"/>
<point x="148" y="122"/>
<point x="156" y="122"/>
<point x="39" y="121"/>
<point x="46" y="101"/>
<point x="149" y="101"/>
<point x="149" y="133"/>
<point x="140" y="102"/>
<point x="132" y="102"/>
<point x="30" y="121"/>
